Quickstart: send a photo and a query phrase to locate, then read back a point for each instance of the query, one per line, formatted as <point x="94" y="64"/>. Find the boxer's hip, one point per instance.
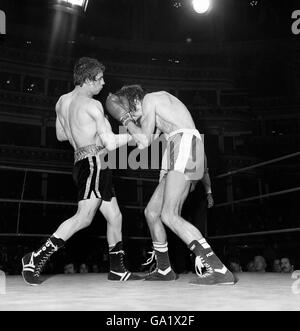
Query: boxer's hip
<point x="180" y="132"/>
<point x="184" y="153"/>
<point x="87" y="151"/>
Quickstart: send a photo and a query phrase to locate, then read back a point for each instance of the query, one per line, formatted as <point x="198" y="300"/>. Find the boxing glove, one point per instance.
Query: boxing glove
<point x="118" y="107"/>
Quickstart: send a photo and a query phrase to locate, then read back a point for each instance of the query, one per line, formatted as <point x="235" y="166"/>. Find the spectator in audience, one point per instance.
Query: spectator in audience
<point x="260" y="264"/>
<point x="276" y="266"/>
<point x="95" y="268"/>
<point x="250" y="266"/>
<point x="69" y="268"/>
<point x="3" y="257"/>
<point x="83" y="269"/>
<point x="286" y="265"/>
<point x="234" y="265"/>
<point x="104" y="264"/>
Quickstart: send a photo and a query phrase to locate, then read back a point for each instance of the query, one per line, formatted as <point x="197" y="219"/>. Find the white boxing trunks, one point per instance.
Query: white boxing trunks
<point x="184" y="153"/>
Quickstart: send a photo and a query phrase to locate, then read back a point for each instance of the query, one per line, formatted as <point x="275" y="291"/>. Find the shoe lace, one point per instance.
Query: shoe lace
<point x="200" y="263"/>
<point x="150" y="260"/>
<point x="42" y="262"/>
<point x="122" y="260"/>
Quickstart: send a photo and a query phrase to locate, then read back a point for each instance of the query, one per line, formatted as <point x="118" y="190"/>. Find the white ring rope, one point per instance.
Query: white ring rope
<point x="233" y="172"/>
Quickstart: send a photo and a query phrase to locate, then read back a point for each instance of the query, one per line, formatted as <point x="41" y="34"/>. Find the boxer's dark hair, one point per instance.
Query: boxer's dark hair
<point x="86" y="68"/>
<point x="132" y="93"/>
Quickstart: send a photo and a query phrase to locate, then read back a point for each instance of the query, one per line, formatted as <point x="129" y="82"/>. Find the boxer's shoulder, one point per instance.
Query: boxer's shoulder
<point x="63" y="98"/>
<point x="94" y="107"/>
<point x="153" y="97"/>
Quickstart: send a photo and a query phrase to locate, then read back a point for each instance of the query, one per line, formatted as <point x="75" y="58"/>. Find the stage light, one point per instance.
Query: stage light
<point x="75" y="2"/>
<point x="201" y="6"/>
<point x="71" y="5"/>
<point x="253" y="3"/>
<point x="81" y="3"/>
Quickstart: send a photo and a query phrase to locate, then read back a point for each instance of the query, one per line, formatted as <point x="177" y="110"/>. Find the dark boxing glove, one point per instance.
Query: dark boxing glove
<point x="118" y="107"/>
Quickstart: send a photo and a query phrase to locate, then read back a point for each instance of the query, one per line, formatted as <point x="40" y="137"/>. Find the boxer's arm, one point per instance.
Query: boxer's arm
<point x="109" y="139"/>
<point x="60" y="132"/>
<point x="207" y="184"/>
<point x="206" y="179"/>
<point x="95" y="110"/>
<point x="121" y="139"/>
<point x="144" y="135"/>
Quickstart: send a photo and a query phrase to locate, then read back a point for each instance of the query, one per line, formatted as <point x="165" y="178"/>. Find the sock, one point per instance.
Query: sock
<point x="57" y="241"/>
<point x="116" y="255"/>
<point x="201" y="248"/>
<point x="162" y="255"/>
<point x="49" y="247"/>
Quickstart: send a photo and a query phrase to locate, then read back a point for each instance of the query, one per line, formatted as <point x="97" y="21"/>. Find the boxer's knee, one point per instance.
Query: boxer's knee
<point x="151" y="215"/>
<point x="85" y="217"/>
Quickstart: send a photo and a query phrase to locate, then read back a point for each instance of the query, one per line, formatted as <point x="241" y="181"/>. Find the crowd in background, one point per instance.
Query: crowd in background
<point x="94" y="259"/>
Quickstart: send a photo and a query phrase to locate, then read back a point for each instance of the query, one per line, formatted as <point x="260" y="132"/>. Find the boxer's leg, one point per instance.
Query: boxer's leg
<point x="83" y="218"/>
<point x="111" y="211"/>
<point x="176" y="190"/>
<point x="34" y="262"/>
<point x="152" y="214"/>
<point x="163" y="269"/>
<point x="215" y="271"/>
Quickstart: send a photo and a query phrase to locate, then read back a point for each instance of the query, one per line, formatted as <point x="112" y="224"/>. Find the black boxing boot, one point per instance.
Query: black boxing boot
<point x="34" y="262"/>
<point x="209" y="269"/>
<point x="163" y="270"/>
<point x="118" y="271"/>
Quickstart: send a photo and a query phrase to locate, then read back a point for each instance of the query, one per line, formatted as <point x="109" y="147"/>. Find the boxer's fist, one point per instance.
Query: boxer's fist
<point x="118" y="107"/>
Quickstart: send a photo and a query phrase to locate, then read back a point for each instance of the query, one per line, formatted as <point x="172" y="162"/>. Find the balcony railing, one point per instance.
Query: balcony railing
<point x="117" y="69"/>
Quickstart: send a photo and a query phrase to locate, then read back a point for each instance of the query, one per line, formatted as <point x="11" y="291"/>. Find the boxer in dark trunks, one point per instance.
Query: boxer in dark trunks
<point x="80" y="120"/>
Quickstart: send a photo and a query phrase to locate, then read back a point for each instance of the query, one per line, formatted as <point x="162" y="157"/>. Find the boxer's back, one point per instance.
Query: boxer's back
<point x="73" y="113"/>
<point x="171" y="113"/>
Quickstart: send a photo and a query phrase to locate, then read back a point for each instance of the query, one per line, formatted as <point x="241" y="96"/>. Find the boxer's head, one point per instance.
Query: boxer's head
<point x="134" y="95"/>
<point x="89" y="71"/>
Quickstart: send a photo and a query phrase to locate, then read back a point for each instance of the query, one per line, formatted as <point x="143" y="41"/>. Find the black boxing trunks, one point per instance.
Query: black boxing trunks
<point x="89" y="178"/>
<point x="184" y="153"/>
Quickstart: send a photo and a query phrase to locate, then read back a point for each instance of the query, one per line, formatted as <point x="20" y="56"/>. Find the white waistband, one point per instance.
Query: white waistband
<point x="86" y="151"/>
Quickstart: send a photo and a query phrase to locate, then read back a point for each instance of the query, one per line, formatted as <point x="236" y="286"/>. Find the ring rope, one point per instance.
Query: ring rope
<point x="295" y="189"/>
<point x="233" y="172"/>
